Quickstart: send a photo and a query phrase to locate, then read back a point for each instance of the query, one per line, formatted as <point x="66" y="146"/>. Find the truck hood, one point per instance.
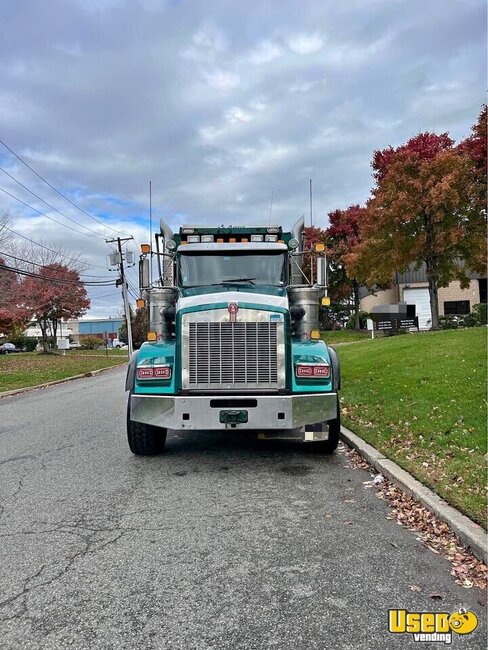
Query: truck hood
<point x="210" y="295"/>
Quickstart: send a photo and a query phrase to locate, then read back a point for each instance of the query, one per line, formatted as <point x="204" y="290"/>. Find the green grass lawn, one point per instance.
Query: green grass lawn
<point x="421" y="400"/>
<point x="344" y="336"/>
<point x="31" y="368"/>
<point x="110" y="352"/>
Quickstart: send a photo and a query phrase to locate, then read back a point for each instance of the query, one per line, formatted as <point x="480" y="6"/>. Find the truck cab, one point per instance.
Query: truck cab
<point x="233" y="340"/>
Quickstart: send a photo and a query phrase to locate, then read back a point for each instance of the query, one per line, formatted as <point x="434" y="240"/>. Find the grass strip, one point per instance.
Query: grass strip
<point x="334" y="337"/>
<point x="421" y="400"/>
<point x="27" y="369"/>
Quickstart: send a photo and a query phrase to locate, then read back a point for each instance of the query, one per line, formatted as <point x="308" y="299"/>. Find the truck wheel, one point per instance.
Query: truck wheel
<point x="144" y="439"/>
<point x="330" y="445"/>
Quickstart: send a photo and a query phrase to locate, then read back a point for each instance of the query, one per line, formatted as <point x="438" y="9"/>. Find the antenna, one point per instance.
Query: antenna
<point x="311" y="209"/>
<point x="271" y="207"/>
<point x="150" y="232"/>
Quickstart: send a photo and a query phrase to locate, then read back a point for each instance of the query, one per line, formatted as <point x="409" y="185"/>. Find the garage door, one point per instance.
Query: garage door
<point x="420" y="298"/>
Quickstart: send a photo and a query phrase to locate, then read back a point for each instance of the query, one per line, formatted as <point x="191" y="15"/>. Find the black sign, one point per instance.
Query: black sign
<point x="384" y="325"/>
<point x="408" y="323"/>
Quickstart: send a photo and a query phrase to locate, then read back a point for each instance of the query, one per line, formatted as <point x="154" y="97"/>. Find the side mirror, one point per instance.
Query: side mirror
<point x="322" y="271"/>
<point x="144" y="276"/>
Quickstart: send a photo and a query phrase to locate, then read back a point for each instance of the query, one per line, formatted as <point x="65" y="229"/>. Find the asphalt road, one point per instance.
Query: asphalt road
<point x="224" y="542"/>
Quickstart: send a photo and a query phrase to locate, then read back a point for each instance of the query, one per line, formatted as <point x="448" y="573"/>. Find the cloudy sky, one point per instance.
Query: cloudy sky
<point x="219" y="104"/>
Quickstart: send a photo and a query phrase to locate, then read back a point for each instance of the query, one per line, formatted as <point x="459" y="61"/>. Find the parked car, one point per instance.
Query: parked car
<point x="9" y="348"/>
<point x="75" y="344"/>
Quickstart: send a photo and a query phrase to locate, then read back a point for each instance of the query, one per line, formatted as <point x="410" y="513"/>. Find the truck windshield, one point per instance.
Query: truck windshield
<point x="203" y="269"/>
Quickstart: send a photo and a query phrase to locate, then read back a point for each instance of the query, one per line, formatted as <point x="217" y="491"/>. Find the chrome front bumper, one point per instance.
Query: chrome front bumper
<point x="203" y="412"/>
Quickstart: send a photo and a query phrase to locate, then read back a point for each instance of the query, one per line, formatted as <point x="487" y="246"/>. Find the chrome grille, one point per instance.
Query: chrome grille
<point x="227" y="355"/>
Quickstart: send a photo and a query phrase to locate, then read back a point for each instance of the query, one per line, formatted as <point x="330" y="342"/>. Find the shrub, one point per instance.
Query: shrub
<point x="363" y="317"/>
<point x="449" y="322"/>
<point x="477" y="317"/>
<point x="91" y="342"/>
<point x="30" y="343"/>
<point x="27" y="343"/>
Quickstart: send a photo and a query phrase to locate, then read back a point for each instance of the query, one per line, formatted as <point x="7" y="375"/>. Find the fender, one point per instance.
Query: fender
<point x="336" y="369"/>
<point x="131" y="372"/>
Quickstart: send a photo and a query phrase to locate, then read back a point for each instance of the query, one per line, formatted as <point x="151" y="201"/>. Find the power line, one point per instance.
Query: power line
<point x="56" y="190"/>
<point x="12" y="269"/>
<point x="47" y="217"/>
<point x="51" y="250"/>
<point x="85" y="275"/>
<point x="49" y="205"/>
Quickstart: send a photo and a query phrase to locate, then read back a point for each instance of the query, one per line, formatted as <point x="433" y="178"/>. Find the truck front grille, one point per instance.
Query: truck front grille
<point x="241" y="355"/>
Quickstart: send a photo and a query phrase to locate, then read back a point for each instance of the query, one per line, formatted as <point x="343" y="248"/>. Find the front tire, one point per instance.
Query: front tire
<point x="330" y="445"/>
<point x="144" y="439"/>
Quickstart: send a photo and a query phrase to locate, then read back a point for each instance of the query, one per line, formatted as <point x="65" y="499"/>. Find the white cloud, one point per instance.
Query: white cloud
<point x="237" y="115"/>
<point x="222" y="79"/>
<point x="208" y="43"/>
<point x="265" y="52"/>
<point x="305" y="43"/>
<point x="220" y="105"/>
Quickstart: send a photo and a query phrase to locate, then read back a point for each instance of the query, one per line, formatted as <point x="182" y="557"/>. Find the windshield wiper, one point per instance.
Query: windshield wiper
<point x="250" y="280"/>
<point x="219" y="284"/>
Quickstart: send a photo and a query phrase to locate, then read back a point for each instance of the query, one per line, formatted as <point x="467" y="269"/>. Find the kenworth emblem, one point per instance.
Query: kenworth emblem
<point x="233" y="309"/>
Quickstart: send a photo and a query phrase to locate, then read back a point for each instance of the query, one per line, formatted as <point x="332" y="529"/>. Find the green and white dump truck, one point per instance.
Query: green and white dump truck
<point x="233" y="339"/>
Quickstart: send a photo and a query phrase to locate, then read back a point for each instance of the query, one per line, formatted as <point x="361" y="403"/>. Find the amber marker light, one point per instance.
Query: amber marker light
<point x="145" y="249"/>
<point x="319" y="247"/>
<point x="152" y="336"/>
<point x="315" y="334"/>
<point x="140" y="303"/>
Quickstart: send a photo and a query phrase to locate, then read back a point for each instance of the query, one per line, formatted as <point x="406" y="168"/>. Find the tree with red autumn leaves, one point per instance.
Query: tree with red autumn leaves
<point x="421" y="212"/>
<point x="54" y="293"/>
<point x="474" y="147"/>
<point x="343" y="236"/>
<point x="312" y="235"/>
<point x="13" y="313"/>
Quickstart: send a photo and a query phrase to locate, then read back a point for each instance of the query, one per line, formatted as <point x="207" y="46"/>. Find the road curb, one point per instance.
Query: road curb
<point x="469" y="532"/>
<point x="91" y="373"/>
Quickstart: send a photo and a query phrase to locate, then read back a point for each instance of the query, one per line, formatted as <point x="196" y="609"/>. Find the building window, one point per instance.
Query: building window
<point x="456" y="307"/>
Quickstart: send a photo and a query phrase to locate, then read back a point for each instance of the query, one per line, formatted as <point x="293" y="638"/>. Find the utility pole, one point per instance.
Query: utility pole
<point x="122" y="281"/>
<point x="311" y="204"/>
